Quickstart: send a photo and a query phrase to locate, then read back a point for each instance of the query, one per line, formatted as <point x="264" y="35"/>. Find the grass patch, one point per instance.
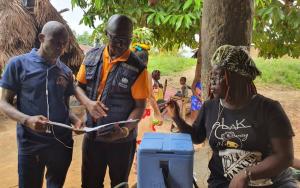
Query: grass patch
<point x="279" y="71"/>
<point x="170" y="64"/>
<point x="283" y="71"/>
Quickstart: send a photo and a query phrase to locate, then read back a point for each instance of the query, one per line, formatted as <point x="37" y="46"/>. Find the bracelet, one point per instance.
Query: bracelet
<point x="248" y="174"/>
<point x="126" y="130"/>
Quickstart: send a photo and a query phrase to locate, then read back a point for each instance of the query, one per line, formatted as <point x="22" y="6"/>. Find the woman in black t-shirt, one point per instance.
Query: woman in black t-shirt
<point x="249" y="134"/>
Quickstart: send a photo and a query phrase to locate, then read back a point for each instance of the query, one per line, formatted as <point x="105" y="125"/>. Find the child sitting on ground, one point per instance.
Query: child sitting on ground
<point x="184" y="88"/>
<point x="183" y="93"/>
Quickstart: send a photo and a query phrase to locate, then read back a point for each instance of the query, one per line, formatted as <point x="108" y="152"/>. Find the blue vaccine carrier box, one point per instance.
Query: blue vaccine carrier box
<point x="165" y="161"/>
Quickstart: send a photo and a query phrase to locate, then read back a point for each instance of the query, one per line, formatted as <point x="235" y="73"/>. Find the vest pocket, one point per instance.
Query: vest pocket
<point x="124" y="80"/>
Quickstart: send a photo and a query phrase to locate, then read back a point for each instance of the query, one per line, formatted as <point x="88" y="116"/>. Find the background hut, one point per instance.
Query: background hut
<point x="20" y="26"/>
<point x="17" y="31"/>
<point x="44" y="12"/>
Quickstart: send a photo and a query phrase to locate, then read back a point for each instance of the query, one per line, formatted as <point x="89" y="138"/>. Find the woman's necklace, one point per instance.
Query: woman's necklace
<point x="220" y="111"/>
<point x="221" y="108"/>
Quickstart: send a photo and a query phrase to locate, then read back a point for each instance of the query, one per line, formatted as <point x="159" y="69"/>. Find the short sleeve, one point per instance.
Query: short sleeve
<point x="199" y="130"/>
<point x="81" y="75"/>
<point x="279" y="125"/>
<point x="10" y="79"/>
<point x="140" y="88"/>
<point x="71" y="85"/>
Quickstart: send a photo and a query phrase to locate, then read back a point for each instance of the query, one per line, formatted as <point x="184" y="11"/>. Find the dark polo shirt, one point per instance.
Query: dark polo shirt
<point x="27" y="75"/>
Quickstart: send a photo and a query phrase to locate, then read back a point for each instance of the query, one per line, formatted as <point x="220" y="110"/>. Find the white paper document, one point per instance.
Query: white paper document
<point x="103" y="127"/>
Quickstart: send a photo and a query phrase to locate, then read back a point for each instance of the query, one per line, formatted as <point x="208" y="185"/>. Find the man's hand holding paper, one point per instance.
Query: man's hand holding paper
<point x="116" y="133"/>
<point x="97" y="109"/>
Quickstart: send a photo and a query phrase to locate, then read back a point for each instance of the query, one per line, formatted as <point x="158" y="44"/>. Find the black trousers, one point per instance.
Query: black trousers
<point x="97" y="156"/>
<point x="31" y="168"/>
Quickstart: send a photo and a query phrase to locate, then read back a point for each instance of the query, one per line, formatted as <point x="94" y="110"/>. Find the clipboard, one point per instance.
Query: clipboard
<point x="100" y="128"/>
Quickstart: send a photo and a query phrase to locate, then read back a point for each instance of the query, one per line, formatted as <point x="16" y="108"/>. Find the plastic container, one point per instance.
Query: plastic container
<point x="165" y="160"/>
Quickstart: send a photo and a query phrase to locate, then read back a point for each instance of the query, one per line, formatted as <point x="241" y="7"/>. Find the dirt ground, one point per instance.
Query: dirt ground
<point x="289" y="98"/>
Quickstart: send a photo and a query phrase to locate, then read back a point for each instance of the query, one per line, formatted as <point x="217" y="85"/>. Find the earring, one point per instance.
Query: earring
<point x="48" y="130"/>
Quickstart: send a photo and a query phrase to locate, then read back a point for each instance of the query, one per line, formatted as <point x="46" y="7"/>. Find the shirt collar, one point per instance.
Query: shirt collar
<point x="121" y="58"/>
<point x="35" y="57"/>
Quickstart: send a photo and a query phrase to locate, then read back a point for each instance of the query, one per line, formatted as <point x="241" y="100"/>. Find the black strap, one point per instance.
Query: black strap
<point x="164" y="165"/>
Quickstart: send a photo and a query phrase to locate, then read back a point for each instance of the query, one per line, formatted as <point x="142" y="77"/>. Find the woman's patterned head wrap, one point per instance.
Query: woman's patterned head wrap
<point x="235" y="59"/>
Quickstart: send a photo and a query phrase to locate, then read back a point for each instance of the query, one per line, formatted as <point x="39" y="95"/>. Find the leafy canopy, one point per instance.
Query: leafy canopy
<point x="84" y="38"/>
<point x="277" y="28"/>
<point x="175" y="22"/>
<point x="172" y="21"/>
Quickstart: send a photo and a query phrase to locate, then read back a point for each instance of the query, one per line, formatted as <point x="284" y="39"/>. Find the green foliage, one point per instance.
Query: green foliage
<point x="277" y="28"/>
<point x="172" y="21"/>
<point x="284" y="71"/>
<point x="175" y="22"/>
<point x="85" y="38"/>
<point x="142" y="35"/>
<point x="169" y="64"/>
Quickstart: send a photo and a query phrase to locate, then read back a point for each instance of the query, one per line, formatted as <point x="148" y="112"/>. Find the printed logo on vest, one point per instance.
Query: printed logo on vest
<point x="124" y="80"/>
<point x="123" y="83"/>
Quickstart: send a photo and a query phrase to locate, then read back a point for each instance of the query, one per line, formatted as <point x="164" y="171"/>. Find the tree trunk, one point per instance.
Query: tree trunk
<point x="223" y="22"/>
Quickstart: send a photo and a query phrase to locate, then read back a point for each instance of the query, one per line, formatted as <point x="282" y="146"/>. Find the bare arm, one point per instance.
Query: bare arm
<point x="296" y="164"/>
<point x="281" y="158"/>
<point x="6" y="106"/>
<point x="152" y="100"/>
<point x="81" y="96"/>
<point x="197" y="76"/>
<point x="136" y="113"/>
<point x="173" y="112"/>
<point x="193" y="88"/>
<point x="197" y="130"/>
<point x="77" y="123"/>
<point x="95" y="108"/>
<point x="36" y="123"/>
<point x="155" y="107"/>
<point x="73" y="118"/>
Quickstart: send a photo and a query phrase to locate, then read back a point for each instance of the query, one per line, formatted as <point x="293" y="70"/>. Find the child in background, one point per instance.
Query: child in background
<point x="152" y="115"/>
<point x="157" y="92"/>
<point x="184" y="88"/>
<point x="183" y="94"/>
<point x="156" y="78"/>
<point x="196" y="101"/>
<point x="157" y="87"/>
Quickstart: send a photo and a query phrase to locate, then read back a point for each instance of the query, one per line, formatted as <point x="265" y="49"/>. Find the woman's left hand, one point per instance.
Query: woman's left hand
<point x="239" y="181"/>
<point x="173" y="109"/>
